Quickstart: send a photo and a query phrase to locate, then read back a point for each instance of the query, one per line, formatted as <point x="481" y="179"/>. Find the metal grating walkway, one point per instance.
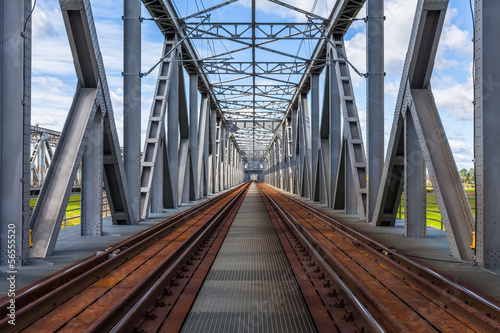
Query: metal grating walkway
<point x="250" y="287"/>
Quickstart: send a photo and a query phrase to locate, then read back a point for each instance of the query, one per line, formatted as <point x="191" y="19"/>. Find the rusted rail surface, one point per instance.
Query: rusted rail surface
<point x="75" y="298"/>
<point x="402" y="296"/>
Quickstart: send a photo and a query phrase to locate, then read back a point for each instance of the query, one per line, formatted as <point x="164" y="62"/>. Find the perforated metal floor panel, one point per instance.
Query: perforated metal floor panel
<point x="250" y="287"/>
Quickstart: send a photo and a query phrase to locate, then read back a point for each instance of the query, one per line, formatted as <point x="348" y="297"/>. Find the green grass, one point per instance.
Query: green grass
<point x="433" y="209"/>
<point x="72" y="211"/>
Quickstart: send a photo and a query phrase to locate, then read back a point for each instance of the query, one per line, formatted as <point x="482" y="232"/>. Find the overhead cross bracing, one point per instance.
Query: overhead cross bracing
<point x="255" y="69"/>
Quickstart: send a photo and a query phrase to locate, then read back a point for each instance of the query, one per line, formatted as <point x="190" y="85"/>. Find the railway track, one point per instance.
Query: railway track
<point x="93" y="295"/>
<point x="400" y="295"/>
<point x="350" y="283"/>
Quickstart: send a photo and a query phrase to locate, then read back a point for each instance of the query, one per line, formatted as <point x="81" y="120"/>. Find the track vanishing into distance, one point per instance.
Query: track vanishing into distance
<point x="95" y="293"/>
<point x="401" y="295"/>
<point x="349" y="282"/>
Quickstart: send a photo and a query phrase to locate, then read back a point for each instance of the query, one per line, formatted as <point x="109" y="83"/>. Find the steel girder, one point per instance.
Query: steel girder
<point x="243" y="30"/>
<point x="354" y="147"/>
<point x="132" y="100"/>
<point x="15" y="118"/>
<point x="82" y="135"/>
<point x="42" y="152"/>
<point x="167" y="170"/>
<point x="487" y="122"/>
<point x="374" y="100"/>
<point x="405" y="162"/>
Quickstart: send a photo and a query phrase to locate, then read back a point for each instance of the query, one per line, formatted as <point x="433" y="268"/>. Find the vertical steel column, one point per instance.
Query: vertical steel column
<point x="350" y="195"/>
<point x="157" y="188"/>
<point x="213" y="151"/>
<point x="374" y="100"/>
<point x="223" y="165"/>
<point x="487" y="136"/>
<point x="293" y="153"/>
<point x="173" y="131"/>
<point x="91" y="199"/>
<point x="132" y="101"/>
<point x="415" y="189"/>
<point x="334" y="133"/>
<point x="15" y="130"/>
<point x="193" y="131"/>
<point x="315" y="144"/>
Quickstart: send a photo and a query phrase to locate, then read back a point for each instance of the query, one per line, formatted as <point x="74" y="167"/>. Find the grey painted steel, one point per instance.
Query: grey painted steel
<point x="158" y="189"/>
<point x="315" y="137"/>
<point x="91" y="197"/>
<point x="15" y="131"/>
<point x="155" y="144"/>
<point x="415" y="182"/>
<point x="416" y="96"/>
<point x="305" y="156"/>
<point x="202" y="170"/>
<point x="374" y="100"/>
<point x="331" y="132"/>
<point x="182" y="170"/>
<point x="194" y="117"/>
<point x="352" y="129"/>
<point x="92" y="95"/>
<point x="132" y="101"/>
<point x="213" y="152"/>
<point x="487" y="76"/>
<point x="250" y="286"/>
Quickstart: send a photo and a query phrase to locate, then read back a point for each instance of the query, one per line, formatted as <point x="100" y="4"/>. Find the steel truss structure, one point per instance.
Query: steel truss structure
<point x="250" y="111"/>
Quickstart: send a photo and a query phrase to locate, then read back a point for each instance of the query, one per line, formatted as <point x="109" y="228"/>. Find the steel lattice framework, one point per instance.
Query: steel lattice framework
<point x="250" y="108"/>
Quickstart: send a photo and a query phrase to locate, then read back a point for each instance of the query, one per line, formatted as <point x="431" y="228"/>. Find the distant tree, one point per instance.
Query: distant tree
<point x="463" y="174"/>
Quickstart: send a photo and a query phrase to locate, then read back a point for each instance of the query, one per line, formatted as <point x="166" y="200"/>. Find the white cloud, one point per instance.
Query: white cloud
<point x="453" y="97"/>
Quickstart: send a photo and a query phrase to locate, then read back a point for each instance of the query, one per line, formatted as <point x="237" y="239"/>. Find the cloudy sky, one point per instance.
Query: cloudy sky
<point x="54" y="79"/>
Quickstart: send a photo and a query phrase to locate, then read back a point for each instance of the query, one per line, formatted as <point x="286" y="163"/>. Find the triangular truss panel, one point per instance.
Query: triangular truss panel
<point x="89" y="135"/>
<point x="418" y="139"/>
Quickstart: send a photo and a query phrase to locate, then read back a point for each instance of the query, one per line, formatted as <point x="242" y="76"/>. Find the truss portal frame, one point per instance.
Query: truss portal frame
<point x="418" y="139"/>
<point x="89" y="137"/>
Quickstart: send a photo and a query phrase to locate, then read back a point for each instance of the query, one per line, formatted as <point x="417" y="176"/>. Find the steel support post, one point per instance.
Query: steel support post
<point x="132" y="101"/>
<point x="350" y="192"/>
<point x="15" y="131"/>
<point x="414" y="180"/>
<point x="193" y="132"/>
<point x="203" y="147"/>
<point x="223" y="164"/>
<point x="294" y="153"/>
<point x="487" y="136"/>
<point x="315" y="138"/>
<point x="213" y="151"/>
<point x="173" y="132"/>
<point x="217" y="154"/>
<point x="331" y="132"/>
<point x="157" y="188"/>
<point x="374" y="100"/>
<point x="91" y="198"/>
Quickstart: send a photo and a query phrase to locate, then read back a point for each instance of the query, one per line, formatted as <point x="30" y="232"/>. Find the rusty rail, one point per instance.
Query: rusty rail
<point x="401" y="295"/>
<point x="39" y="299"/>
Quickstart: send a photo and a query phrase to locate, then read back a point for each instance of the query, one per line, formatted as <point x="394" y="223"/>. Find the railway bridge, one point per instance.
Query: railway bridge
<point x="253" y="196"/>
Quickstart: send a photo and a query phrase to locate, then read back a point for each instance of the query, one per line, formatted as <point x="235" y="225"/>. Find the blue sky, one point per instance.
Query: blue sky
<point x="54" y="79"/>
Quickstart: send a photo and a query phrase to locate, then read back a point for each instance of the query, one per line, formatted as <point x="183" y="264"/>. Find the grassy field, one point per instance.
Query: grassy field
<point x="72" y="211"/>
<point x="433" y="215"/>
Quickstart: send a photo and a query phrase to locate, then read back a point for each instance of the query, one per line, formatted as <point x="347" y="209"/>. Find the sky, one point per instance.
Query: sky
<point x="54" y="79"/>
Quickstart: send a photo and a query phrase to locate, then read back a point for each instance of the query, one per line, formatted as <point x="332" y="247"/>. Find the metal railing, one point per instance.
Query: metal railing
<point x="72" y="215"/>
<point x="400" y="214"/>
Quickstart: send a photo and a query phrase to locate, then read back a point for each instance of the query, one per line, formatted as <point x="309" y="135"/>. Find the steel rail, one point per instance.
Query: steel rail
<point x="41" y="297"/>
<point x="151" y="297"/>
<point x="364" y="319"/>
<point x="478" y="310"/>
<point x="136" y="302"/>
<point x="484" y="303"/>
